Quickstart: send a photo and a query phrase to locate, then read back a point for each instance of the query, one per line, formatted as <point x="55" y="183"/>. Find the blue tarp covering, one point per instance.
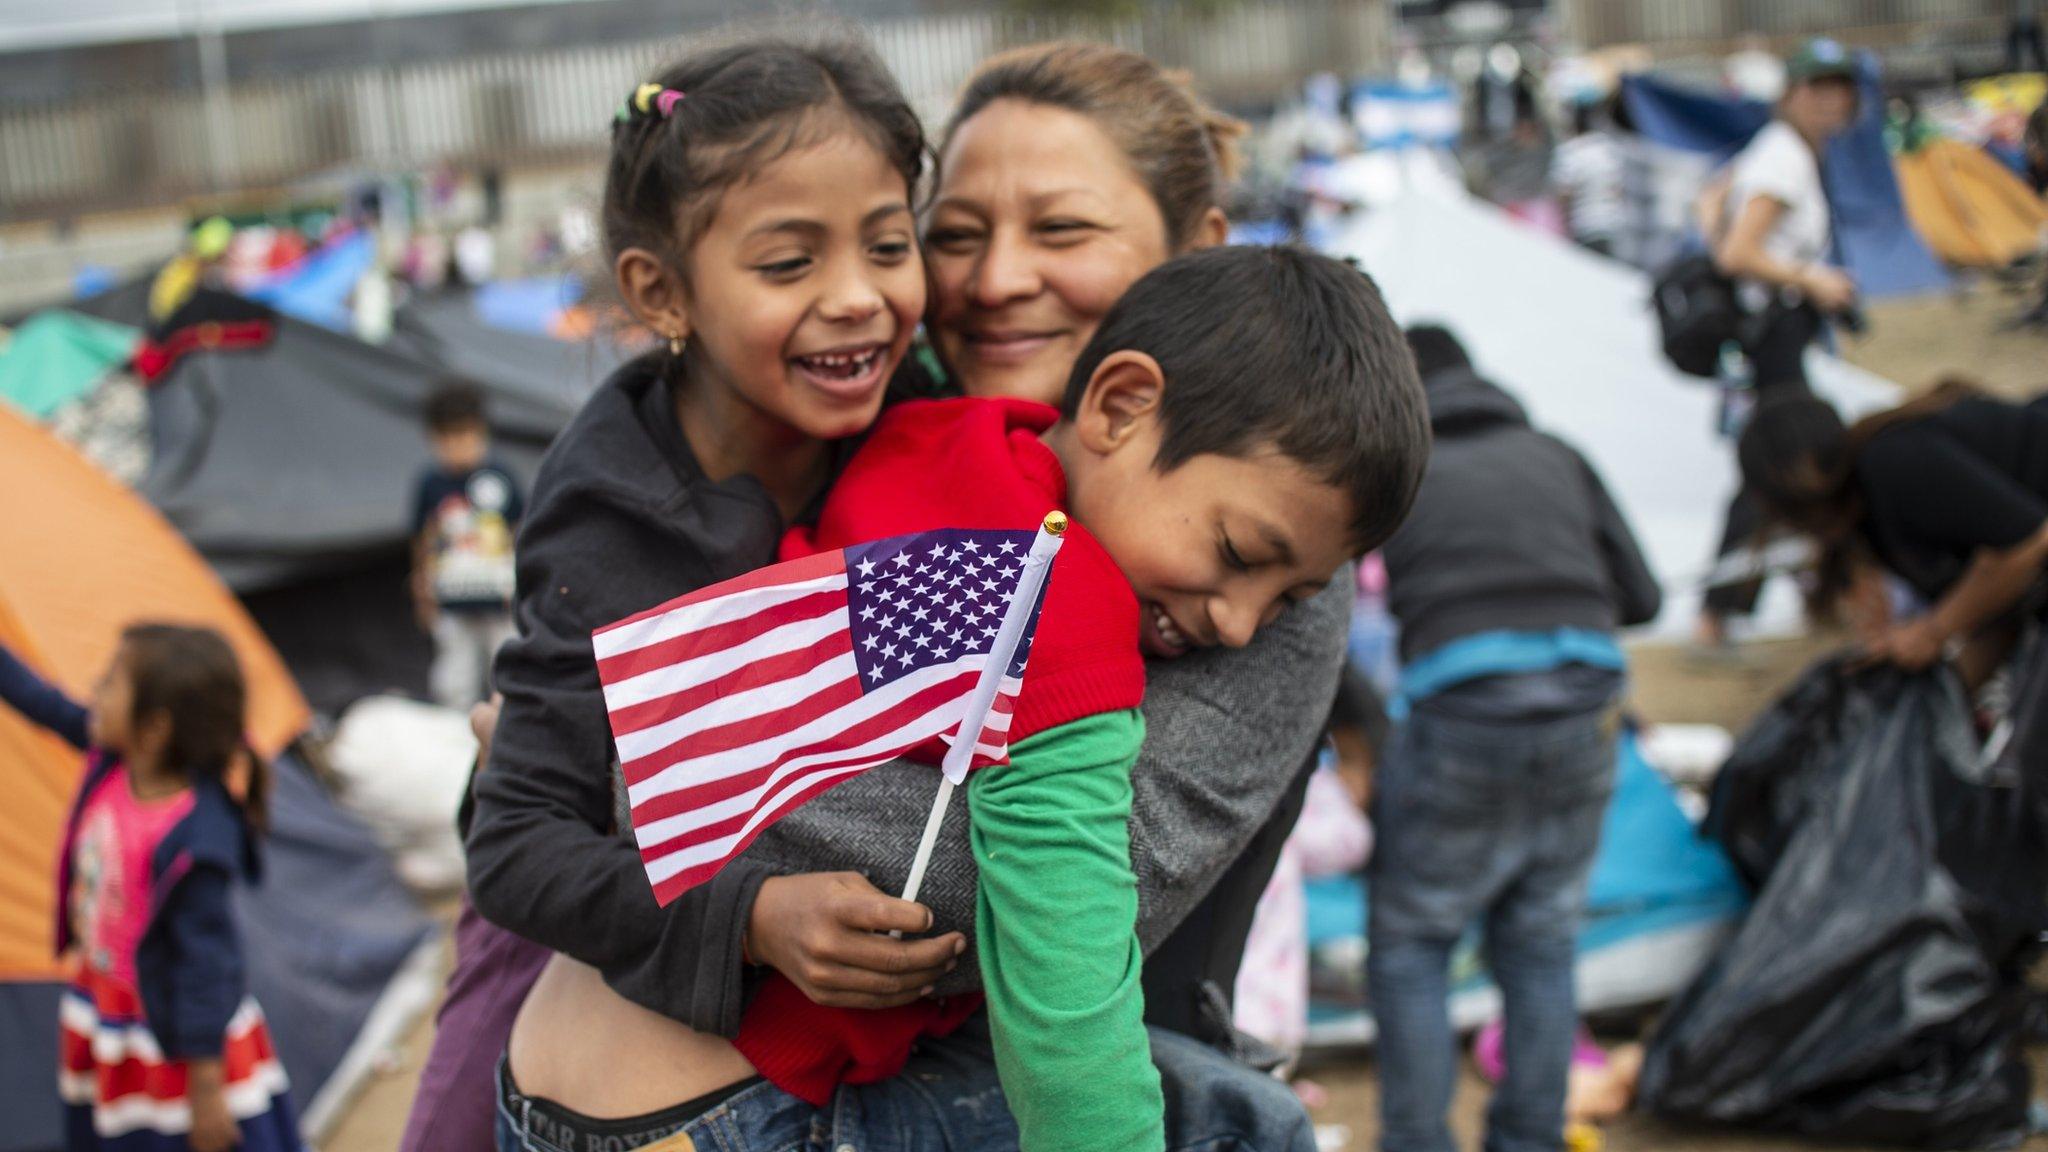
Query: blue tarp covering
<point x="325" y="933"/>
<point x="317" y="288"/>
<point x="531" y="306"/>
<point x="1653" y="874"/>
<point x="1879" y="247"/>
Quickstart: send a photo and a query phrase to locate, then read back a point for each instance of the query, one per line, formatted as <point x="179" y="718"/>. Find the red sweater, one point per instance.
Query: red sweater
<point x="954" y="464"/>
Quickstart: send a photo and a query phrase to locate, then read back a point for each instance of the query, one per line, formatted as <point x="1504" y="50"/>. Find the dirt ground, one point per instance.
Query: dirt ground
<point x="1912" y="342"/>
<point x="1915" y="342"/>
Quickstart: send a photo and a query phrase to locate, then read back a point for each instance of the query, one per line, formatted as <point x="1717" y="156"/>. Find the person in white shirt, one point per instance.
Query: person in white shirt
<point x="1775" y="230"/>
<point x="1779" y="226"/>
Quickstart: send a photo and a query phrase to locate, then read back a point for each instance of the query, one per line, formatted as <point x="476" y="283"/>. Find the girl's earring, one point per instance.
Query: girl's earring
<point x="676" y="344"/>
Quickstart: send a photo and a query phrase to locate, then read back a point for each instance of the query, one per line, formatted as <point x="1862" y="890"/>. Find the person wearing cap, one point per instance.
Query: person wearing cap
<point x="1779" y="228"/>
<point x="188" y="270"/>
<point x="1773" y="231"/>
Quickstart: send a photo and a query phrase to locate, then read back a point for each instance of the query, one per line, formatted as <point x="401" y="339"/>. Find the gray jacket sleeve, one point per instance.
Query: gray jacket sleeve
<point x="1225" y="732"/>
<point x="1637" y="598"/>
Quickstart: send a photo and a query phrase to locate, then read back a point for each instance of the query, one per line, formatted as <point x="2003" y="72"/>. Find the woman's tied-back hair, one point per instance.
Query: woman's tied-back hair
<point x="1799" y="458"/>
<point x="190" y="675"/>
<point x="1277" y="349"/>
<point x="1184" y="151"/>
<point x="735" y="110"/>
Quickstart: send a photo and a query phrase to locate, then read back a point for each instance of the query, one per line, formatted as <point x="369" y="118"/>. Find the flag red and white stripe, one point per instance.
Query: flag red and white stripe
<point x="735" y="704"/>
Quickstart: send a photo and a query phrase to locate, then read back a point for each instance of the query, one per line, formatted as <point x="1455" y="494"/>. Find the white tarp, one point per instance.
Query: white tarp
<point x="1571" y="334"/>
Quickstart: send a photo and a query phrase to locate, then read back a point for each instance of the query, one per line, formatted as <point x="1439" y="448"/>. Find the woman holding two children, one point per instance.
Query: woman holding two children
<point x="1068" y="172"/>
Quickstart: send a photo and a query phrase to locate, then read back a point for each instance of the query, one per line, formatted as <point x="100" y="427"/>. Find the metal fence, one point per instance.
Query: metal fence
<point x="1669" y="22"/>
<point x="157" y="147"/>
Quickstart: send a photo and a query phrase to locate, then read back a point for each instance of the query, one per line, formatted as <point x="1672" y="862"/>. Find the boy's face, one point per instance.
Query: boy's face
<point x="460" y="448"/>
<point x="1215" y="548"/>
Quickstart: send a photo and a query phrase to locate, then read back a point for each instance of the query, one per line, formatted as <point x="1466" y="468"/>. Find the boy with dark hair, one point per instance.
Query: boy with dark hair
<point x="1243" y="422"/>
<point x="466" y="507"/>
<point x="1509" y="579"/>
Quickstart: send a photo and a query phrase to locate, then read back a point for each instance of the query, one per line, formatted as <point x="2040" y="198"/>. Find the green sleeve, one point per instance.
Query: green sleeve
<point x="1056" y="923"/>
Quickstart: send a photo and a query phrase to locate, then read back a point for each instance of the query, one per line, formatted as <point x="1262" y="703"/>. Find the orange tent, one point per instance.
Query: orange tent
<point x="81" y="557"/>
<point x="1968" y="207"/>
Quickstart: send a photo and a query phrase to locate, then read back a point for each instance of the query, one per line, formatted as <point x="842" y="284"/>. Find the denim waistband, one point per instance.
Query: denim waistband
<point x="548" y="1125"/>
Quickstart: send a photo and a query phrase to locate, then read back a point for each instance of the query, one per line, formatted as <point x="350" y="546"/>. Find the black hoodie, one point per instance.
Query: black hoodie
<point x="1511" y="531"/>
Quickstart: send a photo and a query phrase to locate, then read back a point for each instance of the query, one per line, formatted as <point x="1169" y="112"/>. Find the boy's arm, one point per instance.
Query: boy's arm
<point x="1059" y="950"/>
<point x="42" y="702"/>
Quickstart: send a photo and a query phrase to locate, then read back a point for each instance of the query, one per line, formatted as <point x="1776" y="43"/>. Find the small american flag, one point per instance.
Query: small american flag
<point x="736" y="703"/>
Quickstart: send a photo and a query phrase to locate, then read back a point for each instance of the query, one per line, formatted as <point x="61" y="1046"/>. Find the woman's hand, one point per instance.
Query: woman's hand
<point x="823" y="930"/>
<point x="1830" y="289"/>
<point x="1913" y="646"/>
<point x="213" y="1126"/>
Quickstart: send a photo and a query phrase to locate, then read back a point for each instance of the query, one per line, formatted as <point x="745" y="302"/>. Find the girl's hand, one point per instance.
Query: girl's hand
<point x="824" y="931"/>
<point x="1913" y="646"/>
<point x="213" y="1126"/>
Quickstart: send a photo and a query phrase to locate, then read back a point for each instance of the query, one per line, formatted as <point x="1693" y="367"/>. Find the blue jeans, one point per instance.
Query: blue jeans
<point x="948" y="1099"/>
<point x="1493" y="823"/>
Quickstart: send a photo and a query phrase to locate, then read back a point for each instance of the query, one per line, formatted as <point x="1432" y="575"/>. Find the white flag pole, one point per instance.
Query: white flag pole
<point x="1037" y="564"/>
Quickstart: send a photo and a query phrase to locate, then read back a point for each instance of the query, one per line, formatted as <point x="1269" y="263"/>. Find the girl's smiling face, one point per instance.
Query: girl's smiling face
<point x="1040" y="225"/>
<point x="803" y="289"/>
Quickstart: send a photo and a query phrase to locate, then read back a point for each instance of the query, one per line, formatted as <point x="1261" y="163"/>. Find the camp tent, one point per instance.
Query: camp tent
<point x="57" y="357"/>
<point x="1571" y="334"/>
<point x="494" y="336"/>
<point x="281" y="454"/>
<point x="1970" y="208"/>
<point x="287" y="453"/>
<point x="80" y="558"/>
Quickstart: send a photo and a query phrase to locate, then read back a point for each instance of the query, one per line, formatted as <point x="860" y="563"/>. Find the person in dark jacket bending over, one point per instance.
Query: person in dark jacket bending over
<point x="1509" y="580"/>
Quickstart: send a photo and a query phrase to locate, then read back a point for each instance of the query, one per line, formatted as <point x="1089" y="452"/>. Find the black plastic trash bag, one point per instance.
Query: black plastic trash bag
<point x="1784" y="764"/>
<point x="1875" y="992"/>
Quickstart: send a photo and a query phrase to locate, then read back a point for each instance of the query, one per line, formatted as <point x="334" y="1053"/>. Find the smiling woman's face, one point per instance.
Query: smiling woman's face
<point x="1039" y="226"/>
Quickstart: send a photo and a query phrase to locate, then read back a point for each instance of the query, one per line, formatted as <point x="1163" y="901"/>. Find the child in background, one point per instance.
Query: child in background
<point x="1509" y="581"/>
<point x="1331" y="838"/>
<point x="1201" y="509"/>
<point x="466" y="508"/>
<point x="161" y="1047"/>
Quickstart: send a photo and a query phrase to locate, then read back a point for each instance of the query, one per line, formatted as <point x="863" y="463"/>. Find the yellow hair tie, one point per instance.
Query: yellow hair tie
<point x="643" y="97"/>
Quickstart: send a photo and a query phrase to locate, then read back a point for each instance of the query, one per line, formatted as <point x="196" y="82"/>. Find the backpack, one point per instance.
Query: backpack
<point x="1697" y="313"/>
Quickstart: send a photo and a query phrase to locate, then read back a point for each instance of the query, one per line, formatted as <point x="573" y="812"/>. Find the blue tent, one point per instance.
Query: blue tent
<point x="1659" y="899"/>
<point x="532" y="306"/>
<point x="326" y="932"/>
<point x="317" y="288"/>
<point x="1879" y="247"/>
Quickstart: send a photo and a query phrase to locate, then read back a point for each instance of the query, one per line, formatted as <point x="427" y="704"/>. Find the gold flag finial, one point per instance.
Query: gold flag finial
<point x="1056" y="522"/>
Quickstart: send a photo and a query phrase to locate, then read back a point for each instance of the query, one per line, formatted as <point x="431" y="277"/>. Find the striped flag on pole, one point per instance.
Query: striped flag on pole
<point x="736" y="703"/>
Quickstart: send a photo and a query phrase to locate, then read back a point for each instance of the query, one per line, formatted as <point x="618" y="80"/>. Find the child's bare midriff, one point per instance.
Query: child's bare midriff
<point x="566" y="1043"/>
